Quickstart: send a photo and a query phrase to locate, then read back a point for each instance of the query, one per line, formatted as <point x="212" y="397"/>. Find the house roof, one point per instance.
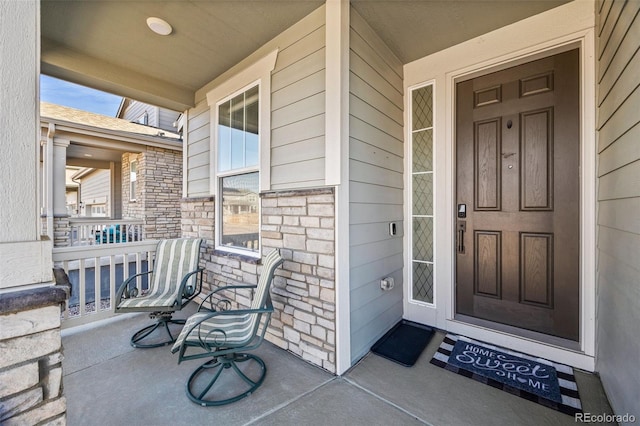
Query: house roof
<point x="72" y="115"/>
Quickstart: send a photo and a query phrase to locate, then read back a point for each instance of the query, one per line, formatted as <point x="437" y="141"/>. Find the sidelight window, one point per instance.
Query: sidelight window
<point x="421" y="193"/>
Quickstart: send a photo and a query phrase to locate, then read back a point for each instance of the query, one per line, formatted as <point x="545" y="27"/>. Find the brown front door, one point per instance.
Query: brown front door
<point x="518" y="157"/>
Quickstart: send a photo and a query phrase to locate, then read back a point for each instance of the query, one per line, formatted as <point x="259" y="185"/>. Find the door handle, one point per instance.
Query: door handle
<point x="462" y="228"/>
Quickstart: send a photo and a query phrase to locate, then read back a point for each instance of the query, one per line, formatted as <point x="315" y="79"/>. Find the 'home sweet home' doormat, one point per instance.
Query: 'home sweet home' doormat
<point x="547" y="383"/>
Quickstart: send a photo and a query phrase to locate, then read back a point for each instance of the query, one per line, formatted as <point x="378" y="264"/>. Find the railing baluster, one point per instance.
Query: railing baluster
<point x="112" y="282"/>
<point x="83" y="290"/>
<point x="97" y="283"/>
<point x="77" y="260"/>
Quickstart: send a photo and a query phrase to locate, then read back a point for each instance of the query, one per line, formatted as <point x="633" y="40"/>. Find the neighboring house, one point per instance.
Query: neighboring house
<point x="71" y="195"/>
<point x="94" y="192"/>
<point x="493" y="176"/>
<point x="124" y="170"/>
<point x="149" y="115"/>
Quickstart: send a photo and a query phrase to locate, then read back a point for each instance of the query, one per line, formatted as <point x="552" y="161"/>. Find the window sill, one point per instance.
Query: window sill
<point x="237" y="256"/>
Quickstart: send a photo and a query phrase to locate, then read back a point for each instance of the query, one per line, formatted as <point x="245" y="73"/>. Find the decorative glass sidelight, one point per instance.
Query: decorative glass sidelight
<point x="422" y="194"/>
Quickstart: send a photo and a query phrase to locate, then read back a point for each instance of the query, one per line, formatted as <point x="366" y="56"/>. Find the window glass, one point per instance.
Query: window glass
<point x="224" y="136"/>
<point x="240" y="215"/>
<point x="422" y="194"/>
<point x="238" y="131"/>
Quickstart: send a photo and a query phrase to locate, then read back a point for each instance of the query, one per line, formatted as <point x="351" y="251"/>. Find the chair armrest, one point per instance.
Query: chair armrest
<point x="182" y="290"/>
<point x="123" y="289"/>
<point x="229" y="287"/>
<point x="268" y="309"/>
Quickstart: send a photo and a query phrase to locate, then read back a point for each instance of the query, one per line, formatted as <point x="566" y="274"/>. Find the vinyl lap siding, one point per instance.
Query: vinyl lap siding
<point x="618" y="29"/>
<point x="95" y="188"/>
<point x="166" y="118"/>
<point x="297" y="112"/>
<point x="376" y="185"/>
<point x="198" y="151"/>
<point x="136" y="109"/>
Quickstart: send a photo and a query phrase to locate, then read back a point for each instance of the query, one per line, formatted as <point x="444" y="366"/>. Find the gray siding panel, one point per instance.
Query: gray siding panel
<point x="620" y="214"/>
<point x="309" y="128"/>
<point x="198" y="145"/>
<point x="166" y="118"/>
<point x="625" y="151"/>
<point x="619" y="203"/>
<point x="298" y="151"/>
<point x="95" y="188"/>
<point x="625" y="51"/>
<point x="375" y="136"/>
<point x="299" y="110"/>
<point x="297" y="114"/>
<point x="376" y="185"/>
<point x="282" y="175"/>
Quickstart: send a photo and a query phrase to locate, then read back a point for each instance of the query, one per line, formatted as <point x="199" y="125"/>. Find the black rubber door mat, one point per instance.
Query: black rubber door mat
<point x="404" y="342"/>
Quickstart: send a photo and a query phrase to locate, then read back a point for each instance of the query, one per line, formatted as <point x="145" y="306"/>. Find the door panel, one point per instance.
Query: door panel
<point x="517" y="153"/>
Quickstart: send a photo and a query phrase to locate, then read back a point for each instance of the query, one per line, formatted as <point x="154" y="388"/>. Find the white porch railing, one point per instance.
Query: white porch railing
<point x="95" y="231"/>
<point x="96" y="272"/>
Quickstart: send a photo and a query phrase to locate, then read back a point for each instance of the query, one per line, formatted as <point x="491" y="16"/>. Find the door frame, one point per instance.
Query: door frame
<point x="442" y="313"/>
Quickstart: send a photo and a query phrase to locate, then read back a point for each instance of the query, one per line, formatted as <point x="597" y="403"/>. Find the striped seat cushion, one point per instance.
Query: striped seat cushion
<point x="174" y="259"/>
<point x="229" y="329"/>
<point x="148" y="301"/>
<point x="226" y="330"/>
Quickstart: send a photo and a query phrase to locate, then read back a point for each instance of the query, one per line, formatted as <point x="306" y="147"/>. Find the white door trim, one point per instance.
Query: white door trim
<point x="568" y="26"/>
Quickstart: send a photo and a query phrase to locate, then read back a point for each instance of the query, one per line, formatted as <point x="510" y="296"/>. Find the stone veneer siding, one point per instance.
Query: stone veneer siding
<point x="158" y="187"/>
<point x="301" y="224"/>
<point x="31" y="357"/>
<point x="61" y="232"/>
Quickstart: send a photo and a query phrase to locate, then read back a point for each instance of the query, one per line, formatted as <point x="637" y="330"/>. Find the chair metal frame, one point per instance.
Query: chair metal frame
<point x="226" y="356"/>
<point x="162" y="314"/>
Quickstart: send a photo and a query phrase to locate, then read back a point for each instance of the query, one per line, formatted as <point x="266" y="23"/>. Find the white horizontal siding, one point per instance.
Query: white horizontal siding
<point x="376" y="168"/>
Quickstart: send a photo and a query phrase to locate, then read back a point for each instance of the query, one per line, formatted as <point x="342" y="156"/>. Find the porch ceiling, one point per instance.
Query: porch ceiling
<point x="106" y="44"/>
<point x="416" y="28"/>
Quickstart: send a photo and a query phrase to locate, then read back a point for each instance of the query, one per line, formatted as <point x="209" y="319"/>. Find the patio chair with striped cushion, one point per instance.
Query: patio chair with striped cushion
<point x="225" y="335"/>
<point x="174" y="281"/>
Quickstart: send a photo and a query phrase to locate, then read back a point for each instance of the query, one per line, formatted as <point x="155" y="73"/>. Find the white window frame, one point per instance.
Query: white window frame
<point x="259" y="73"/>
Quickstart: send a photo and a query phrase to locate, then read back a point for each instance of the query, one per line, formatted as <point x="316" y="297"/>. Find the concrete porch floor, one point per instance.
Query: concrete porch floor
<point x="107" y="382"/>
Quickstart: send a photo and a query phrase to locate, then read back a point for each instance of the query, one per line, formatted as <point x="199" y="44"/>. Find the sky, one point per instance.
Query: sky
<point x="73" y="95"/>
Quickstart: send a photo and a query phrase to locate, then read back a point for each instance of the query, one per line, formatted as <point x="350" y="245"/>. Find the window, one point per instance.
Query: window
<point x="241" y="154"/>
<point x="143" y="119"/>
<point x="133" y="177"/>
<point x="422" y="194"/>
<point x="238" y="171"/>
<point x="98" y="210"/>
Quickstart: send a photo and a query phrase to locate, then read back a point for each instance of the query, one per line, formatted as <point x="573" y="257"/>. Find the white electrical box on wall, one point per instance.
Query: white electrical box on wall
<point x="387" y="283"/>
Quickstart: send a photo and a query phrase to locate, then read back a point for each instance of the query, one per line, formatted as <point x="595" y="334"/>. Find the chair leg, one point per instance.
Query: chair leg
<point x="162" y="323"/>
<point x="202" y="381"/>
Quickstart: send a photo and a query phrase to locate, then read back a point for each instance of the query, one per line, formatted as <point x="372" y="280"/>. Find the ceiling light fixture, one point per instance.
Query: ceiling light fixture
<point x="159" y="26"/>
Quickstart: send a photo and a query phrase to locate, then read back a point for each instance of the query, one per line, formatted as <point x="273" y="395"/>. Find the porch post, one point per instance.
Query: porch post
<point x="59" y="177"/>
<point x="337" y="163"/>
<point x="30" y="364"/>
